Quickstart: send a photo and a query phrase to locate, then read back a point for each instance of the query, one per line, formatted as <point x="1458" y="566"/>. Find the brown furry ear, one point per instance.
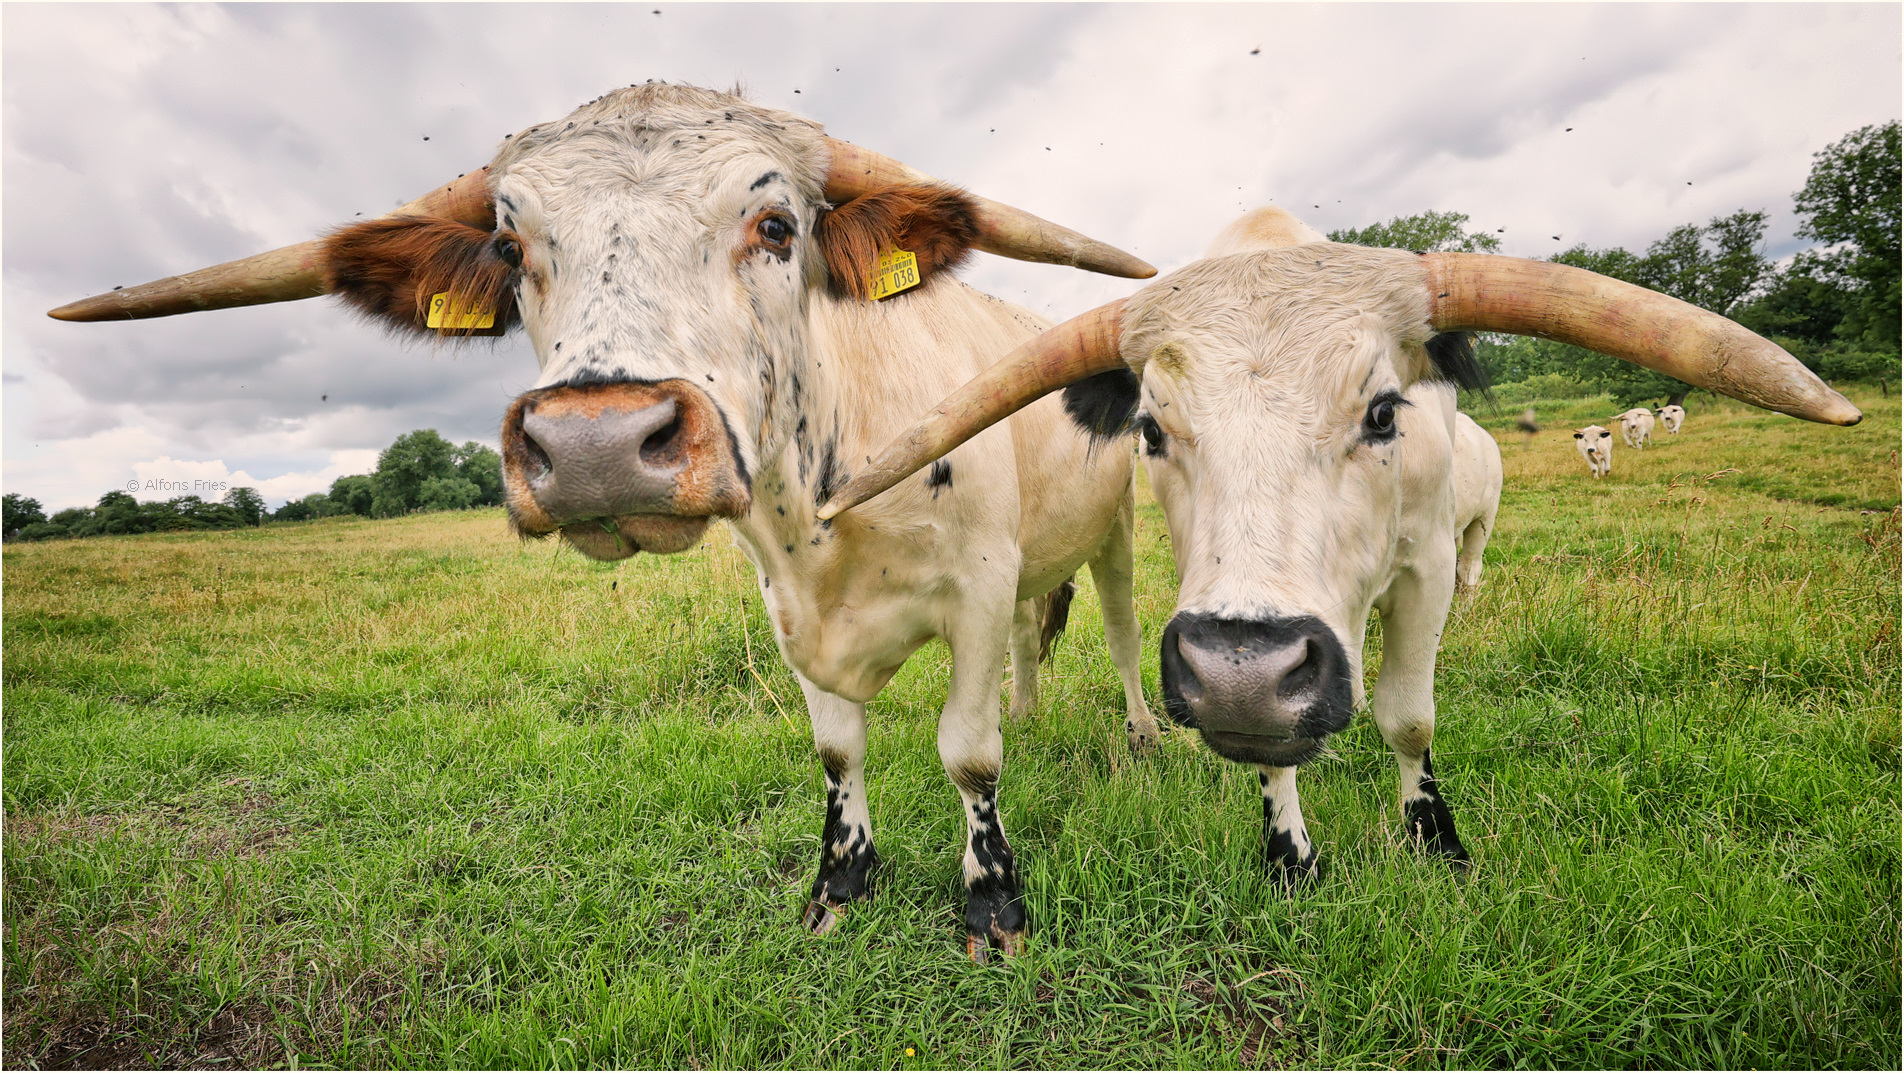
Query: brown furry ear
<point x="389" y="269"/>
<point x="937" y="224"/>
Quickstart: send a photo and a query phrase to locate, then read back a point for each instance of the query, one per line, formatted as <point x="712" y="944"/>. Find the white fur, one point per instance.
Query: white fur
<point x="634" y="213"/>
<point x="1671" y="416"/>
<point x="1595" y="444"/>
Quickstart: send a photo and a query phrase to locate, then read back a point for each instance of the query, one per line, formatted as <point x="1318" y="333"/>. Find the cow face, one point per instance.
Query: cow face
<point x="1596" y="446"/>
<point x="661" y="247"/>
<point x="1274" y="406"/>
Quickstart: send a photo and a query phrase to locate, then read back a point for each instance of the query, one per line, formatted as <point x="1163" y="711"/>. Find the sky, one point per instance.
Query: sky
<point x="138" y="142"/>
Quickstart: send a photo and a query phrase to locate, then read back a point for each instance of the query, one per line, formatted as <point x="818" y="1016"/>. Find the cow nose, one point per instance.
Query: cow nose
<point x="651" y="457"/>
<point x="615" y="462"/>
<point x="1280" y="679"/>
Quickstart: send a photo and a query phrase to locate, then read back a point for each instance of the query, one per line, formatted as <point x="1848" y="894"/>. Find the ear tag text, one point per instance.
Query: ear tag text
<point x="898" y="271"/>
<point x="444" y="314"/>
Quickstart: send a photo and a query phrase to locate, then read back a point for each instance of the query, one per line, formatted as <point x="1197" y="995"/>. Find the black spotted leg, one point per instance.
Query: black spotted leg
<point x="847" y="858"/>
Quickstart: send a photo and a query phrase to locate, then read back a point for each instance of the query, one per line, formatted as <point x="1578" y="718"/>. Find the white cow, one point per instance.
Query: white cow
<point x="1636" y="427"/>
<point x="697" y="275"/>
<point x="1671" y="416"/>
<point x="1595" y="444"/>
<point x="1297" y="408"/>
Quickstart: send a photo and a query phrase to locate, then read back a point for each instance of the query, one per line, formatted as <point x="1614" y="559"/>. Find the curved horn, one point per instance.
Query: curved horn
<point x="1484" y="292"/>
<point x="1083" y="346"/>
<point x="283" y="275"/>
<point x="1003" y="230"/>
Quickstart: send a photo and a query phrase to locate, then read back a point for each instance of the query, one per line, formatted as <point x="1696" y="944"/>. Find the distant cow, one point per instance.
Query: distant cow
<point x="1671" y="416"/>
<point x="1636" y="427"/>
<point x="1297" y="408"/>
<point x="1596" y="446"/>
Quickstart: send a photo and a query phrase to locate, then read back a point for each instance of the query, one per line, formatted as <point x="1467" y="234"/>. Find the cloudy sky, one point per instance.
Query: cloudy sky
<point x="144" y="141"/>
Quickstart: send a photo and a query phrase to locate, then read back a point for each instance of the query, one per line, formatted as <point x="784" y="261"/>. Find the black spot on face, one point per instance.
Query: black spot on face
<point x="1102" y="405"/>
<point x="939" y="476"/>
<point x="764" y="180"/>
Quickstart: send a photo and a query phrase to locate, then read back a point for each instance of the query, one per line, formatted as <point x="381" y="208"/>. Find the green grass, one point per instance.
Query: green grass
<point x="410" y="793"/>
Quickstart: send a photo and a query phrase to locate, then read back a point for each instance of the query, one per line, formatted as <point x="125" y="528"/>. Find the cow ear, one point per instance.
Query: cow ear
<point x="392" y="269"/>
<point x="936" y="224"/>
<point x="1579" y="435"/>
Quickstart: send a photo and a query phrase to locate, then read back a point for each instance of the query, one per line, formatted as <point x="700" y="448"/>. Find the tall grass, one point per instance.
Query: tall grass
<point x="412" y="793"/>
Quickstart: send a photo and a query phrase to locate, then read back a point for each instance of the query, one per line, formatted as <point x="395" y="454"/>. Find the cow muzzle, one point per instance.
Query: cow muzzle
<point x="620" y="468"/>
<point x="1261" y="691"/>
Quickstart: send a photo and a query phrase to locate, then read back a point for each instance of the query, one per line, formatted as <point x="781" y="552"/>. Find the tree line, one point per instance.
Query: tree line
<point x="1835" y="307"/>
<point x="420" y="471"/>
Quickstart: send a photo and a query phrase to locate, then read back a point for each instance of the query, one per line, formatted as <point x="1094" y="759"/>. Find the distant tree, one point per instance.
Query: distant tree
<point x="315" y="505"/>
<point x="1851" y="202"/>
<point x="1422" y="232"/>
<point x="248" y="503"/>
<point x="482" y="467"/>
<point x="354" y="494"/>
<point x="20" y="512"/>
<point x="403" y="466"/>
<point x="448" y="493"/>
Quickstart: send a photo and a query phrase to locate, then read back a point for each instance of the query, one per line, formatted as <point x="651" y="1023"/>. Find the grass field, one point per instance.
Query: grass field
<point x="412" y="793"/>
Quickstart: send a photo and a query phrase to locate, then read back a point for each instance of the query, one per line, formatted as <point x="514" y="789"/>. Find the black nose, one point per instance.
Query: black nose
<point x="1261" y="690"/>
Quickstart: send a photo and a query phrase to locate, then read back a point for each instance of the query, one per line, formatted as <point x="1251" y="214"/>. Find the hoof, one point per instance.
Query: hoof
<point x="1142" y="735"/>
<point x="1008" y="944"/>
<point x="821" y="917"/>
<point x="1296" y="878"/>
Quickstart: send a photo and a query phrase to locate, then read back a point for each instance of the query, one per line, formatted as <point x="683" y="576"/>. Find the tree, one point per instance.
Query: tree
<point x="448" y="493"/>
<point x="1421" y="232"/>
<point x="20" y="512"/>
<point x="403" y="466"/>
<point x="354" y="494"/>
<point x="248" y="503"/>
<point x="1851" y="202"/>
<point x="481" y="467"/>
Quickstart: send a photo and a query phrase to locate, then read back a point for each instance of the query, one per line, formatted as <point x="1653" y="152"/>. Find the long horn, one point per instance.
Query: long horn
<point x="1083" y="346"/>
<point x="283" y="275"/>
<point x="1484" y="292"/>
<point x="1003" y="230"/>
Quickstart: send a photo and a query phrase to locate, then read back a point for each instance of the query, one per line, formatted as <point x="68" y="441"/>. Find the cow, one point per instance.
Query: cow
<point x="1636" y="427"/>
<point x="1595" y="444"/>
<point x="705" y="283"/>
<point x="1296" y="403"/>
<point x="1671" y="416"/>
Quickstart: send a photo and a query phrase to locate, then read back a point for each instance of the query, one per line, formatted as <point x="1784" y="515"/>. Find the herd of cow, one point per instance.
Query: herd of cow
<point x="1636" y="428"/>
<point x="736" y="316"/>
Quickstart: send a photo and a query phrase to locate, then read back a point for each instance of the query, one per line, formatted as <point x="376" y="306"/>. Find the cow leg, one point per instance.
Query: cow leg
<point x="846" y="842"/>
<point x="973" y="752"/>
<point x="1024" y="657"/>
<point x="1467" y="565"/>
<point x="1414" y="610"/>
<point x="1287" y="852"/>
<point x="1112" y="571"/>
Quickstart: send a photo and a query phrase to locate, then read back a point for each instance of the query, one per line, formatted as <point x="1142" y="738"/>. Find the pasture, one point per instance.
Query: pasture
<point x="412" y="793"/>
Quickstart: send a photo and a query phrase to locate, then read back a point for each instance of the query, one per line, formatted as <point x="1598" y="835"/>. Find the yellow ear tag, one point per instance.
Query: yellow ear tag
<point x="898" y="271"/>
<point x="443" y="314"/>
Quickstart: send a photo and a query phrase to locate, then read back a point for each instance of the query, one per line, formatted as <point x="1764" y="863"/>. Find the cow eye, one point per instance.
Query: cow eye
<point x="509" y="250"/>
<point x="776" y="231"/>
<point x="1153" y="433"/>
<point x="1379" y="422"/>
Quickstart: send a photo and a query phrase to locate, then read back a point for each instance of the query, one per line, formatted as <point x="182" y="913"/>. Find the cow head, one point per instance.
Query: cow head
<point x="1271" y="387"/>
<point x="661" y="247"/>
